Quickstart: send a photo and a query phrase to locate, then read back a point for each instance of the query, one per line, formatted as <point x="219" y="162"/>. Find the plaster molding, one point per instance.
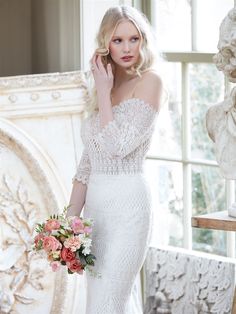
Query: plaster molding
<point x="183" y="283"/>
<point x="43" y="94"/>
<point x="20" y="269"/>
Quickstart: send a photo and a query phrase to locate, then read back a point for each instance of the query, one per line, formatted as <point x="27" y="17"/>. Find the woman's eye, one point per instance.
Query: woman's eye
<point x="135" y="39"/>
<point x="117" y="41"/>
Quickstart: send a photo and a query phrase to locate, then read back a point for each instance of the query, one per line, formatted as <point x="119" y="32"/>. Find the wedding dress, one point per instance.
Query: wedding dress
<point x="118" y="199"/>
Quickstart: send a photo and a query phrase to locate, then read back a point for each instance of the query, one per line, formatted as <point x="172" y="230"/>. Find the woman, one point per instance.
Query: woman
<point x="109" y="182"/>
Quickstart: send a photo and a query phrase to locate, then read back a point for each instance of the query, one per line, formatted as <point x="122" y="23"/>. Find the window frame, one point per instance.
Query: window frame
<point x="185" y="58"/>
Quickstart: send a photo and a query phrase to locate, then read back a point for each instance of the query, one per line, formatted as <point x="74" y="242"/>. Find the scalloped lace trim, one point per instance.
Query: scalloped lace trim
<point x="80" y="177"/>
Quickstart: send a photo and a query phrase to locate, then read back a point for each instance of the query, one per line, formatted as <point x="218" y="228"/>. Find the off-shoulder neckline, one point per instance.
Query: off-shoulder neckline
<point x="143" y="102"/>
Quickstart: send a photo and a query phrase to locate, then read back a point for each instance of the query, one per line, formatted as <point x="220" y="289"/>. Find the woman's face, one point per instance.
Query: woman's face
<point x="124" y="44"/>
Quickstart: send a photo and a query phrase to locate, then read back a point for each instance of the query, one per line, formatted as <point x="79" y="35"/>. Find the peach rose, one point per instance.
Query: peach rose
<point x="67" y="255"/>
<point x="75" y="266"/>
<point x="52" y="224"/>
<point x="55" y="266"/>
<point x="72" y="243"/>
<point x="52" y="256"/>
<point x="50" y="243"/>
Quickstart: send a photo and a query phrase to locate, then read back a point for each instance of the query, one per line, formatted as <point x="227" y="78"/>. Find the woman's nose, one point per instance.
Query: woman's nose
<point x="126" y="47"/>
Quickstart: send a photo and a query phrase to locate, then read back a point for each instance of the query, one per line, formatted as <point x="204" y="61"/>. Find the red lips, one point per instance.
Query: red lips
<point x="127" y="58"/>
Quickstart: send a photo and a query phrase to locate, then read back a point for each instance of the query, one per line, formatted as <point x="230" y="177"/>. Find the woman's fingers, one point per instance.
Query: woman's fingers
<point x="94" y="66"/>
<point x="109" y="70"/>
<point x="100" y="65"/>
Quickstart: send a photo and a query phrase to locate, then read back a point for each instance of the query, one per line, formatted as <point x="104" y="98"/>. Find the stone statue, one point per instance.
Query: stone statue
<point x="221" y="118"/>
<point x="221" y="126"/>
<point x="225" y="59"/>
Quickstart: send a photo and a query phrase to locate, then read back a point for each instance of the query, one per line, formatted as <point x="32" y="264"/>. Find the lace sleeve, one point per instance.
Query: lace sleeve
<point x="119" y="138"/>
<point x="83" y="169"/>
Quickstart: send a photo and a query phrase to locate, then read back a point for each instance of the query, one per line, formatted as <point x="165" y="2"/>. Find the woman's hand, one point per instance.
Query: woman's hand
<point x="103" y="77"/>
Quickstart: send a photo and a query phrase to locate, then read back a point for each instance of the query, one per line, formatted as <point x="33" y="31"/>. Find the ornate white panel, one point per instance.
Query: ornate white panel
<point x="39" y="149"/>
<point x="183" y="282"/>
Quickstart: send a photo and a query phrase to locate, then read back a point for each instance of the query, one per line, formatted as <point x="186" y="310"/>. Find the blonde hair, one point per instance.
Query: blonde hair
<point x="148" y="51"/>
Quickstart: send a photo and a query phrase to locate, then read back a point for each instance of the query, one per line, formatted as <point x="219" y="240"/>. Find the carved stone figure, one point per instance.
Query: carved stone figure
<point x="221" y="118"/>
<point x="225" y="59"/>
<point x="221" y="126"/>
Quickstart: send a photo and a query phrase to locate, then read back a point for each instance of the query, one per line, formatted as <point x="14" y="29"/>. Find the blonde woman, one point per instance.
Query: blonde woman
<point x="109" y="183"/>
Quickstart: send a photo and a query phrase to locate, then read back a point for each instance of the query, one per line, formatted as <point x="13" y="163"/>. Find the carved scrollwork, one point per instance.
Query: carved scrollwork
<point x="180" y="283"/>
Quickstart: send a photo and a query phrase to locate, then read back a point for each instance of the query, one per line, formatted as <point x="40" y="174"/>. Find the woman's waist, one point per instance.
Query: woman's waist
<point x="117" y="166"/>
<point x="118" y="182"/>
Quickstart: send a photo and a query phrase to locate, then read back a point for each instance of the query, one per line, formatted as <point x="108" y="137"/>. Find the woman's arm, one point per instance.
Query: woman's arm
<point x="77" y="198"/>
<point x="80" y="181"/>
<point x="103" y="78"/>
<point x="120" y="138"/>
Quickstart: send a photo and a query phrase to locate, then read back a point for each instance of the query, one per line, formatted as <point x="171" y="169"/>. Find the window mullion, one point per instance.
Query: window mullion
<point x="194" y="25"/>
<point x="186" y="150"/>
<point x="230" y="198"/>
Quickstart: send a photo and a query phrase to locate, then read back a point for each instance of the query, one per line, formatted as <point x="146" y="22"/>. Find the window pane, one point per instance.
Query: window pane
<point x="167" y="136"/>
<point x="165" y="179"/>
<point x="208" y="195"/>
<point x="206" y="89"/>
<point x="209" y="15"/>
<point x="210" y="241"/>
<point x="173" y="24"/>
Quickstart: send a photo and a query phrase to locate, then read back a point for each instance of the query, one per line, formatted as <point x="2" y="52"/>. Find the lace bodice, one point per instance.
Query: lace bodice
<point x="120" y="146"/>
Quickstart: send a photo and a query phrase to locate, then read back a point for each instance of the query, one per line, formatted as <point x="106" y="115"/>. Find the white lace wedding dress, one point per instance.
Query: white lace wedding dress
<point x="118" y="199"/>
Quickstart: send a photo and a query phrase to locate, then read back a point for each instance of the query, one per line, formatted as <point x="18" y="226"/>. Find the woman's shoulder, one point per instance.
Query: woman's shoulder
<point x="151" y="77"/>
<point x="150" y="88"/>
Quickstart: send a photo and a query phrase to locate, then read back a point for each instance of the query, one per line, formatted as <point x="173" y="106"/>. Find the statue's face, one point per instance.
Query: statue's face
<point x="225" y="59"/>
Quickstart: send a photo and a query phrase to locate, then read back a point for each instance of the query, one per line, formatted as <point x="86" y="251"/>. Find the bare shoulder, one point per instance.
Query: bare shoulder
<point x="150" y="89"/>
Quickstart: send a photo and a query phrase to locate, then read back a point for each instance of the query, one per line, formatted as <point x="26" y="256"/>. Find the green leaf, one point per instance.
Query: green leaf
<point x="90" y="259"/>
<point x="82" y="260"/>
<point x="69" y="271"/>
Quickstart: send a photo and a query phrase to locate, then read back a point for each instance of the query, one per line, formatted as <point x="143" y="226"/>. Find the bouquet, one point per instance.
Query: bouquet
<point x="66" y="241"/>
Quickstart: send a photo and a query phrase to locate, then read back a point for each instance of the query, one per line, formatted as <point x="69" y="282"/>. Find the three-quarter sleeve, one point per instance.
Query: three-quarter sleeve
<point x="83" y="169"/>
<point x="119" y="138"/>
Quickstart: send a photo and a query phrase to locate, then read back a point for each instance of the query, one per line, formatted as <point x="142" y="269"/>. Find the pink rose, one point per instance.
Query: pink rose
<point x="77" y="225"/>
<point x="52" y="224"/>
<point x="72" y="243"/>
<point x="87" y="229"/>
<point x="55" y="265"/>
<point x="75" y="266"/>
<point x="50" y="243"/>
<point x="67" y="255"/>
<point x="39" y="237"/>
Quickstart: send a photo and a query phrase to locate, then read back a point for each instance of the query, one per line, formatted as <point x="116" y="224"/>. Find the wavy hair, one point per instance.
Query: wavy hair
<point x="147" y="50"/>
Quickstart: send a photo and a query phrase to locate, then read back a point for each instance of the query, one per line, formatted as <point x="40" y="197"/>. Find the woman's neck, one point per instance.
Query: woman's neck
<point x="121" y="77"/>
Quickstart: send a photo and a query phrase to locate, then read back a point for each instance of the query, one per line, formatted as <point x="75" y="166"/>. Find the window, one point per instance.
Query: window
<point x="181" y="166"/>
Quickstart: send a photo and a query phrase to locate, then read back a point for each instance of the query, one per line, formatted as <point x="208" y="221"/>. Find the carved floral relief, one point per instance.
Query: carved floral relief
<point x="180" y="283"/>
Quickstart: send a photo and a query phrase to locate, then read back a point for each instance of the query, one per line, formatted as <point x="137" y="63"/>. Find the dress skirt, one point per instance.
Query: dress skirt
<point x="120" y="205"/>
